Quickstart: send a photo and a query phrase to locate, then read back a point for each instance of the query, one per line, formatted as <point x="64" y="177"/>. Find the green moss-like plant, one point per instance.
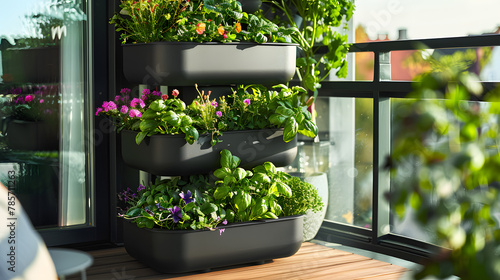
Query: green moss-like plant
<point x="305" y="197"/>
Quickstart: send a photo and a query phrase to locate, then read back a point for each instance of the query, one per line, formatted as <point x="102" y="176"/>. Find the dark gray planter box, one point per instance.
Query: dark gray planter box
<point x="178" y="251"/>
<point x="165" y="155"/>
<point x="187" y="63"/>
<point x="36" y="65"/>
<point x="33" y="136"/>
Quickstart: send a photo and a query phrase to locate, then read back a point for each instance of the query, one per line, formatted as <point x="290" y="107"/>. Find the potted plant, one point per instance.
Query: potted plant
<point x="31" y="118"/>
<point x="179" y="43"/>
<point x="315" y="23"/>
<point x="205" y="222"/>
<point x="164" y="136"/>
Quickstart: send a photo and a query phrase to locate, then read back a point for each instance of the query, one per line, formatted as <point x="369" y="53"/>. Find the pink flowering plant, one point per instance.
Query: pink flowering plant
<point x="145" y="21"/>
<point x="31" y="103"/>
<point x="152" y="113"/>
<point x="247" y="108"/>
<point x="237" y="195"/>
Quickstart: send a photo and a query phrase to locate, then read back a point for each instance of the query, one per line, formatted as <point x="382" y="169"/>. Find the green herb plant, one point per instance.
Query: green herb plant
<point x="249" y="195"/>
<point x="319" y="20"/>
<point x="305" y="197"/>
<point x="200" y="202"/>
<point x="193" y="21"/>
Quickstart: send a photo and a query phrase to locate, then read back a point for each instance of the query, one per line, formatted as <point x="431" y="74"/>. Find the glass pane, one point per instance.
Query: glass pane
<point x="345" y="153"/>
<point x="407" y="172"/>
<point x="405" y="19"/>
<point x="43" y="120"/>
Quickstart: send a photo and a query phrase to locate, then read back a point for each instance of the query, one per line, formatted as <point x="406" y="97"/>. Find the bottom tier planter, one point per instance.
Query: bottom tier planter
<point x="178" y="251"/>
<point x="171" y="155"/>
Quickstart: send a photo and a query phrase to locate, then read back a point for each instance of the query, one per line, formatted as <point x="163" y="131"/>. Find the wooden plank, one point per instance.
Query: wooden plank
<point x="312" y="261"/>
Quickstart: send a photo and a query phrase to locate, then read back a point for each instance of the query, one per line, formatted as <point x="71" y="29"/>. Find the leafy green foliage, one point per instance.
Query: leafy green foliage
<point x="193" y="21"/>
<point x="250" y="195"/>
<point x="237" y="195"/>
<point x="452" y="145"/>
<point x="250" y="107"/>
<point x="305" y="197"/>
<point x="319" y="18"/>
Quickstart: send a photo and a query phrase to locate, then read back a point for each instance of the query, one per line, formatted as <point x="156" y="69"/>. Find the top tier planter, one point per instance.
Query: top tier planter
<point x="187" y="63"/>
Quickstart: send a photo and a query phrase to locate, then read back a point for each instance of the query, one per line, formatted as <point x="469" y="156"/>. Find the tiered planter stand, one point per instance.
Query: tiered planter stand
<point x="184" y="64"/>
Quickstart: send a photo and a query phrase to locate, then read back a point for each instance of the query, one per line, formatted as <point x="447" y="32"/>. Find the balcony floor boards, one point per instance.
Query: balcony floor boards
<point x="312" y="261"/>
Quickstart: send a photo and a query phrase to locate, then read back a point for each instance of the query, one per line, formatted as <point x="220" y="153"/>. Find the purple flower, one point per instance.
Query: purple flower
<point x="176" y="213"/>
<point x="156" y="93"/>
<point x="221" y="230"/>
<point x="146" y="91"/>
<point x="125" y="90"/>
<point x="215" y="104"/>
<point x="117" y="98"/>
<point x="109" y="106"/>
<point x="187" y="197"/>
<point x="219" y="114"/>
<point x="41" y="100"/>
<point x="246" y="101"/>
<point x="140" y="188"/>
<point x="136" y="101"/>
<point x="224" y="222"/>
<point x="124" y="109"/>
<point x="134" y="113"/>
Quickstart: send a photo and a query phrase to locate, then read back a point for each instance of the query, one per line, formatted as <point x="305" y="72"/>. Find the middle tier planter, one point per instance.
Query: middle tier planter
<point x="165" y="155"/>
<point x="189" y="63"/>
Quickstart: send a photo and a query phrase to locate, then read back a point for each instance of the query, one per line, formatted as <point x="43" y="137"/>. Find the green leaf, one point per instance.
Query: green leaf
<point x="186" y="120"/>
<point x="221" y="173"/>
<point x="148" y="125"/>
<point x="259" y="208"/>
<point x="140" y="136"/>
<point x="133" y="212"/>
<point x="284" y="111"/>
<point x="157" y="105"/>
<point x="239" y="173"/>
<point x="284" y="189"/>
<point x="242" y="200"/>
<point x="274" y="206"/>
<point x="269" y="215"/>
<point x="191" y="134"/>
<point x="261" y="178"/>
<point x="150" y="200"/>
<point x="149" y="115"/>
<point x="208" y="208"/>
<point x="309" y="129"/>
<point x="277" y="119"/>
<point x="172" y="118"/>
<point x="221" y="192"/>
<point x="291" y="129"/>
<point x="230" y="216"/>
<point x="226" y="159"/>
<point x="270" y="167"/>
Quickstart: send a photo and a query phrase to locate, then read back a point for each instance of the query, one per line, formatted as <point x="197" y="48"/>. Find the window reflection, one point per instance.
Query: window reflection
<point x="42" y="113"/>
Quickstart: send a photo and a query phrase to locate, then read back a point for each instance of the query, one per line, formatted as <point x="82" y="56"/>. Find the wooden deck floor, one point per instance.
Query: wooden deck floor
<point x="312" y="261"/>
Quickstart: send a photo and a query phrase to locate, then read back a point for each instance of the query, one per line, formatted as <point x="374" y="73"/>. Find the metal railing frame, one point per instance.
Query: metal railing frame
<point x="381" y="89"/>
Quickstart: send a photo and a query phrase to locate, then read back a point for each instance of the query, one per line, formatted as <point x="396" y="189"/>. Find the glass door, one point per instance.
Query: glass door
<point x="45" y="151"/>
